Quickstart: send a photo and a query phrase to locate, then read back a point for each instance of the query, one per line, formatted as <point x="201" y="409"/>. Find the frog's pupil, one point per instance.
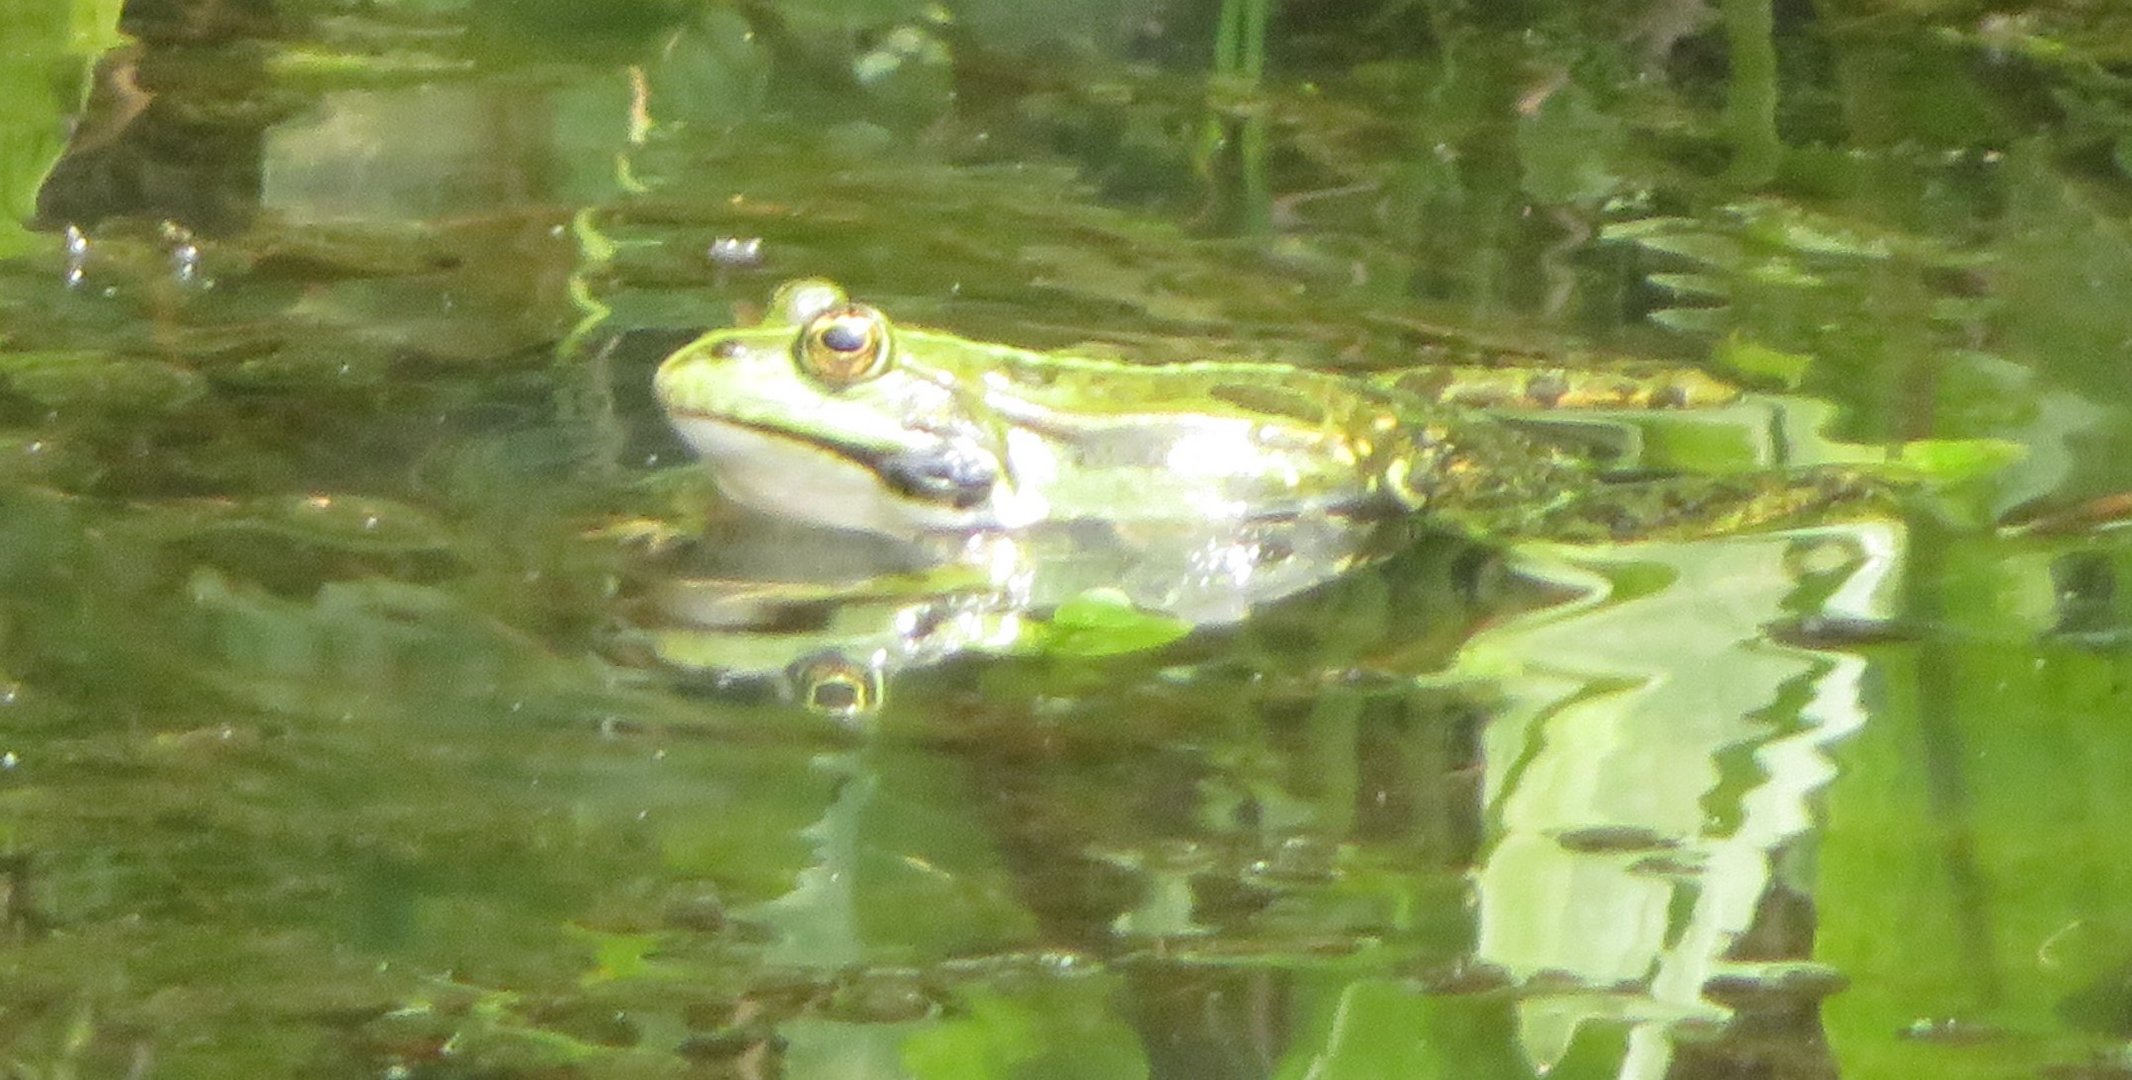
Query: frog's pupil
<point x="838" y="696"/>
<point x="844" y="337"/>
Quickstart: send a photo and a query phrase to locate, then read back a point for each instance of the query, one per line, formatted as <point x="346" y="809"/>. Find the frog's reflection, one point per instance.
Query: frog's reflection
<point x="174" y="129"/>
<point x="1614" y="845"/>
<point x="813" y="611"/>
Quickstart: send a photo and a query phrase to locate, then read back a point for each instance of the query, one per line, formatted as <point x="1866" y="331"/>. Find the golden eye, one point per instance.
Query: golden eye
<point x="834" y="685"/>
<point x="844" y="346"/>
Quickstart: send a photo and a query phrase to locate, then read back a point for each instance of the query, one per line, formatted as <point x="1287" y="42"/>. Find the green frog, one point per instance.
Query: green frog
<point x="1012" y="482"/>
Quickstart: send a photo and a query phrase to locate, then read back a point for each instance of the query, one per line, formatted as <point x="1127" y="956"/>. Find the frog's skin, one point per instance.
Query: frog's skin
<point x="906" y="432"/>
<point x="1206" y="487"/>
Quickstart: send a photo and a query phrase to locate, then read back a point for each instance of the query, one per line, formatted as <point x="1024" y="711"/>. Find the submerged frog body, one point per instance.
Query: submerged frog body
<point x="1199" y="489"/>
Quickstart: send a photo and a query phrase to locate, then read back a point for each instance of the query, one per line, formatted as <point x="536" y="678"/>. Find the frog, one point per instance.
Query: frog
<point x="1016" y="483"/>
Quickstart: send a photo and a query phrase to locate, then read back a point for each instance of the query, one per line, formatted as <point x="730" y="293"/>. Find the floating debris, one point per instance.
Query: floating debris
<point x="1611" y="839"/>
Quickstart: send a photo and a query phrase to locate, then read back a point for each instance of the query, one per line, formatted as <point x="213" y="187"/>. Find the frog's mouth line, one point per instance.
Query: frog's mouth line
<point x="940" y="475"/>
<point x="870" y="460"/>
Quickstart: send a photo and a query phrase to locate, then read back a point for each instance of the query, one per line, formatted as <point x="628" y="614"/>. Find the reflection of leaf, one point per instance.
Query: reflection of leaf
<point x="1568" y="149"/>
<point x="994" y="1038"/>
<point x="89" y="381"/>
<point x="1753" y="358"/>
<point x="46" y="45"/>
<point x="2043" y="771"/>
<point x="349" y="523"/>
<point x="1372" y="1028"/>
<point x="1638" y="228"/>
<point x="1817" y="238"/>
<point x="1709" y="249"/>
<point x="1091" y="272"/>
<point x="1693" y="286"/>
<point x="819" y="13"/>
<point x="1059" y="1029"/>
<point x="1783" y="273"/>
<point x="616" y="955"/>
<point x="1105" y="622"/>
<point x="711" y="73"/>
<point x="1787" y="227"/>
<point x="1953" y="460"/>
<point x="1694" y="320"/>
<point x="298" y="63"/>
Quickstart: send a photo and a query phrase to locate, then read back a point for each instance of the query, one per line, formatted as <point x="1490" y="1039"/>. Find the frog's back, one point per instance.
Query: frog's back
<point x="1119" y="441"/>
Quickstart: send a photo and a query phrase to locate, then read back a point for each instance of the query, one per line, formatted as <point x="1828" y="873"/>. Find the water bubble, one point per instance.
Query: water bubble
<point x="736" y="252"/>
<point x="77" y="247"/>
<point x="184" y="254"/>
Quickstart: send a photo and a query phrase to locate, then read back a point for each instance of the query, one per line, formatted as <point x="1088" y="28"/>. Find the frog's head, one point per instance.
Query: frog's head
<point x="815" y="414"/>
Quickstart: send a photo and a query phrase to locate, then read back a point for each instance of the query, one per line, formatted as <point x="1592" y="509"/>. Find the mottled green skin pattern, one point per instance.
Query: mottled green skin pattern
<point x="1287" y="440"/>
<point x="1064" y="438"/>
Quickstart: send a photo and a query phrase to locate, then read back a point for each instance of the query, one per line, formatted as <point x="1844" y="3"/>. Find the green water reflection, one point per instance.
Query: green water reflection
<point x="328" y="746"/>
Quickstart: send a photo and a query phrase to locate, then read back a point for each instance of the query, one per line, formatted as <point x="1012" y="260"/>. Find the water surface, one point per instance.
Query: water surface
<point x="325" y="341"/>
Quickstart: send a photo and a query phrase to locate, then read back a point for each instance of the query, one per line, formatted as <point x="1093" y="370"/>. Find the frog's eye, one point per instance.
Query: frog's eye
<point x="844" y="346"/>
<point x="837" y="686"/>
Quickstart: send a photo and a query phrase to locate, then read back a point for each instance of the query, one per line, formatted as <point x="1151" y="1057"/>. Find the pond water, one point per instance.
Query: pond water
<point x="344" y="731"/>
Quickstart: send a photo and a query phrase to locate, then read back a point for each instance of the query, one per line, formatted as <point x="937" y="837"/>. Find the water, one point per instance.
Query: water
<point x="330" y="744"/>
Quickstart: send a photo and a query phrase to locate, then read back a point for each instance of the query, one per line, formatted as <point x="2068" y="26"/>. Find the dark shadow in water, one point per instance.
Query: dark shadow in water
<point x="175" y="123"/>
